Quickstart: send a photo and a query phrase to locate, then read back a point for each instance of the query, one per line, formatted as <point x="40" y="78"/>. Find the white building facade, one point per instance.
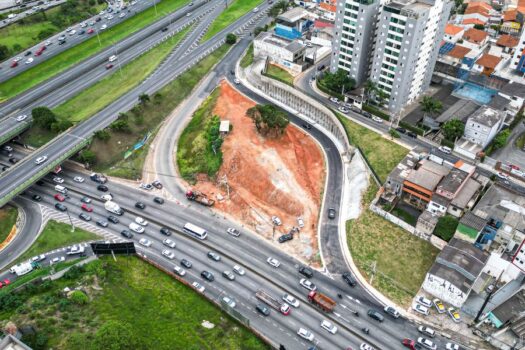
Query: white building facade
<point x="483" y="126"/>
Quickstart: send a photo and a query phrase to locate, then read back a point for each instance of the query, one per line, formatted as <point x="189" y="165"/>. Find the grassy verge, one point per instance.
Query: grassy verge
<point x="147" y="118"/>
<point x="194" y="152"/>
<point x="56" y="235"/>
<point x="229" y="15"/>
<point x="382" y="154"/>
<point x="171" y="314"/>
<point x="401" y="259"/>
<point x="8" y="217"/>
<point x="247" y="58"/>
<point x="279" y="74"/>
<point x="66" y="59"/>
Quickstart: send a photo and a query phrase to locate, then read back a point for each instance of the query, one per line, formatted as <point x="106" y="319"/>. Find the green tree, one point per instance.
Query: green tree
<point x="501" y="139"/>
<point x="269" y="120"/>
<point x="479" y="26"/>
<point x="120" y="125"/>
<point x="430" y="105"/>
<point x="446" y="227"/>
<point x="115" y="335"/>
<point x="394" y="133"/>
<point x="4" y="52"/>
<point x="87" y="156"/>
<point x="103" y="135"/>
<point x="46" y="33"/>
<point x="143" y="99"/>
<point x="43" y="117"/>
<point x="61" y="125"/>
<point x="257" y="31"/>
<point x="338" y="82"/>
<point x="381" y="96"/>
<point x="78" y="297"/>
<point x="453" y="129"/>
<point x="231" y="39"/>
<point x="370" y="89"/>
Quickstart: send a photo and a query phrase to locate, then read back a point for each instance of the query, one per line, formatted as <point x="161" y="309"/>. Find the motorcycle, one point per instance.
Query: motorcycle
<point x="340" y="295"/>
<point x="366" y="330"/>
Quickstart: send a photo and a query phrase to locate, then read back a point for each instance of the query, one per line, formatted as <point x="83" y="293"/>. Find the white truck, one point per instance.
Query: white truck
<point x="113" y="207"/>
<point x="22" y="268"/>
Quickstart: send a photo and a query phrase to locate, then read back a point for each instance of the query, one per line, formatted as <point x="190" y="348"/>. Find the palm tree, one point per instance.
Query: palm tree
<point x="430" y="106"/>
<point x="370" y="89"/>
<point x="380" y="97"/>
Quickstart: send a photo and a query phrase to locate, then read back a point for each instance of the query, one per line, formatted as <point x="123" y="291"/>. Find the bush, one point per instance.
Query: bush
<point x="517" y="119"/>
<point x="43" y="117"/>
<point x="61" y="125"/>
<point x="87" y="156"/>
<point x="269" y="120"/>
<point x="394" y="133"/>
<point x="412" y="128"/>
<point x="446" y="227"/>
<point x="102" y="135"/>
<point x="120" y="125"/>
<point x="231" y="39"/>
<point x="115" y="335"/>
<point x="79" y="297"/>
<point x="375" y="111"/>
<point x="445" y="142"/>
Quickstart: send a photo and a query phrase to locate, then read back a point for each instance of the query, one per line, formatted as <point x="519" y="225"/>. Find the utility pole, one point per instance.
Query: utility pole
<point x="71" y="221"/>
<point x="374" y="266"/>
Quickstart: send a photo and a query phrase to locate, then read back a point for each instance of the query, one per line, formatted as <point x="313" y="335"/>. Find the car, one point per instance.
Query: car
<point x="113" y="219"/>
<point x="349" y="279"/>
<point x="38" y="258"/>
<point x="103" y="27"/>
<point x="158" y="200"/>
<point x="188" y="14"/>
<point x="273" y="262"/>
<point x="126" y="233"/>
<point x="13" y="160"/>
<point x="236" y="81"/>
<point x="13" y="64"/>
<point x="79" y="179"/>
<point x="60" y="206"/>
<point x="145" y="242"/>
<point x="285" y="238"/>
<point x="409" y="343"/>
<point x="73" y="32"/>
<point x="420" y="309"/>
<point x="391" y="311"/>
<point x="331" y="213"/>
<point x="169" y="243"/>
<point x="276" y="221"/>
<point x="5" y="167"/>
<point x="329" y="326"/>
<point x="107" y="197"/>
<point x="377" y="119"/>
<point x="5" y="283"/>
<point x="81" y="32"/>
<point x="109" y="17"/>
<point x="83" y="25"/>
<point x="208" y="276"/>
<point x="229" y="275"/>
<point x="439" y="305"/>
<point x="200" y="288"/>
<point x="102" y="188"/>
<point x="445" y="149"/>
<point x="303" y="270"/>
<point x="87" y="208"/>
<point x="454" y="314"/>
<point x="21" y="118"/>
<point x="239" y="270"/>
<point x="109" y="66"/>
<point x="37" y="198"/>
<point x="84" y="217"/>
<point x="262" y="309"/>
<point x="334" y="100"/>
<point x="168" y="254"/>
<point x="102" y="223"/>
<point x="376" y="315"/>
<point x="179" y="270"/>
<point x="343" y="109"/>
<point x="48" y="42"/>
<point x="307" y="284"/>
<point x="69" y="29"/>
<point x="140" y="205"/>
<point x="365" y="346"/>
<point x="502" y="176"/>
<point x="401" y="131"/>
<point x="157" y="184"/>
<point x="165" y="29"/>
<point x="59" y="197"/>
<point x="305" y="334"/>
<point x="300" y="222"/>
<point x="424" y="301"/>
<point x="141" y="221"/>
<point x="122" y="15"/>
<point x="229" y="301"/>
<point x="17" y="59"/>
<point x="426" y="343"/>
<point x="7" y="148"/>
<point x="452" y="346"/>
<point x="40" y="160"/>
<point x="291" y="300"/>
<point x="57" y="260"/>
<point x="40" y="183"/>
<point x="147" y="187"/>
<point x="234" y="232"/>
<point x="90" y="30"/>
<point x="165" y="231"/>
<point x="214" y="256"/>
<point x="85" y="199"/>
<point x="28" y="53"/>
<point x="186" y="263"/>
<point x="427" y="331"/>
<point x="366" y="114"/>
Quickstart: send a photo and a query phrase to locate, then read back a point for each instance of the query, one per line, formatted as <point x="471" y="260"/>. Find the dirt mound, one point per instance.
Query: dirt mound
<point x="282" y="177"/>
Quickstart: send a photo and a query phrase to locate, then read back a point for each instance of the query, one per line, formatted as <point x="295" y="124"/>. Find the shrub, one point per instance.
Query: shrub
<point x="231" y="39"/>
<point x="102" y="135"/>
<point x="79" y="297"/>
<point x="446" y="227"/>
<point x="375" y="111"/>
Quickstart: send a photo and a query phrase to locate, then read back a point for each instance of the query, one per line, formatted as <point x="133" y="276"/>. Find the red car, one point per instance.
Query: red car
<point x="515" y="167"/>
<point x="14" y="64"/>
<point x="409" y="343"/>
<point x="109" y="66"/>
<point x="90" y="31"/>
<point x="85" y="207"/>
<point x="59" y="197"/>
<point x="4" y="283"/>
<point x="40" y="51"/>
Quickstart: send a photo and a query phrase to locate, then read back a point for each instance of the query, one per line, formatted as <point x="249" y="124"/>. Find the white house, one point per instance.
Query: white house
<point x="453" y="33"/>
<point x="483" y="125"/>
<point x="287" y="53"/>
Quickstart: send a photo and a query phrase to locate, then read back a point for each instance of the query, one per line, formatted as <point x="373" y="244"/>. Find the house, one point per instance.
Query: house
<point x="511" y="314"/>
<point x="483" y="125"/>
<point x="327" y="11"/>
<point x="507" y="42"/>
<point x="477" y="13"/>
<point x="457" y="54"/>
<point x="393" y="186"/>
<point x="293" y="24"/>
<point x="519" y="257"/>
<point x="455" y="271"/>
<point x="286" y="53"/>
<point x="469" y="227"/>
<point x="420" y="183"/>
<point x="453" y="33"/>
<point x="487" y="64"/>
<point x="476" y="37"/>
<point x="465" y="199"/>
<point x="515" y="94"/>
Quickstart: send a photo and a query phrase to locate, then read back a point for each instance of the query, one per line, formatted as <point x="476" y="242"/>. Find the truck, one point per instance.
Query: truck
<point x="199" y="197"/>
<point x="324" y="302"/>
<point x="101" y="179"/>
<point x="113" y="207"/>
<point x="22" y="268"/>
<point x="272" y="302"/>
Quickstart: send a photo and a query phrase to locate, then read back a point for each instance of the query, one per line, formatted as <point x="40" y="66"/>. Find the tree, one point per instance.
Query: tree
<point x="446" y="227"/>
<point x="380" y="97"/>
<point x="87" y="156"/>
<point x="120" y="125"/>
<point x="370" y="89"/>
<point x="269" y="120"/>
<point x="231" y="39"/>
<point x="102" y="135"/>
<point x="338" y="82"/>
<point x="501" y="139"/>
<point x="430" y="105"/>
<point x="453" y="129"/>
<point x="258" y="31"/>
<point x="43" y="117"/>
<point x="115" y="335"/>
<point x="143" y="99"/>
<point x="479" y="26"/>
<point x="4" y="52"/>
<point x="61" y="125"/>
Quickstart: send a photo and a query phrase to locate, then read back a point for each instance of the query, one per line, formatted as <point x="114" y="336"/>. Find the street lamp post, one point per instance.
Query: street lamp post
<point x="71" y="221"/>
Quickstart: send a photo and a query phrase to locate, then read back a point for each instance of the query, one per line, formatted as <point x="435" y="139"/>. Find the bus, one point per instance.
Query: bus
<point x="194" y="230"/>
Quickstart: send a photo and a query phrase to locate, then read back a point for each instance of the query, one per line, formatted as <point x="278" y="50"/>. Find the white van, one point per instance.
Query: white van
<point x="136" y="227"/>
<point x="61" y="189"/>
<point x="112" y="58"/>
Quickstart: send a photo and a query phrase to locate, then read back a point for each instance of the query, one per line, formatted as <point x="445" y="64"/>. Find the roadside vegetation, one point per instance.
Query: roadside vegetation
<point x="336" y="84"/>
<point x="68" y="58"/>
<point x="8" y="217"/>
<point x="269" y="120"/>
<point x="279" y="74"/>
<point x="247" y="59"/>
<point x="123" y="304"/>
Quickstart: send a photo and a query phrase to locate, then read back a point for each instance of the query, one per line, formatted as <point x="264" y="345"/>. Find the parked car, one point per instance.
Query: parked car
<point x="439" y="305"/>
<point x="276" y="221"/>
<point x="420" y="309"/>
<point x="452" y="346"/>
<point x="424" y="301"/>
<point x="285" y="238"/>
<point x="391" y="311"/>
<point x="454" y="314"/>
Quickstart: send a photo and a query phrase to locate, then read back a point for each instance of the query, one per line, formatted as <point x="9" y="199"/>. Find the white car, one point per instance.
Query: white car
<point x="305" y="334"/>
<point x="236" y="81"/>
<point x="229" y="301"/>
<point x="276" y="221"/>
<point x="377" y="119"/>
<point x="69" y="29"/>
<point x="21" y="118"/>
<point x="104" y="26"/>
<point x="106" y="197"/>
<point x="234" y="232"/>
<point x="141" y="221"/>
<point x="57" y="260"/>
<point x="291" y="300"/>
<point x="426" y="343"/>
<point x="334" y="100"/>
<point x="38" y="258"/>
<point x="145" y="242"/>
<point x="168" y="254"/>
<point x="365" y="346"/>
<point x="72" y="32"/>
<point x="273" y="262"/>
<point x="40" y="160"/>
<point x="343" y="109"/>
<point x="110" y="17"/>
<point x="179" y="270"/>
<point x="198" y="287"/>
<point x="255" y="10"/>
<point x="58" y="180"/>
<point x="168" y="242"/>
<point x="48" y="42"/>
<point x="238" y="270"/>
<point x="101" y="13"/>
<point x="29" y="60"/>
<point x="427" y="331"/>
<point x="452" y="346"/>
<point x="78" y="179"/>
<point x="307" y="284"/>
<point x="144" y="186"/>
<point x="83" y="25"/>
<point x="329" y="326"/>
<point x="445" y="149"/>
<point x="391" y="311"/>
<point x="424" y="301"/>
<point x="420" y="308"/>
<point x="122" y="15"/>
<point x="502" y="176"/>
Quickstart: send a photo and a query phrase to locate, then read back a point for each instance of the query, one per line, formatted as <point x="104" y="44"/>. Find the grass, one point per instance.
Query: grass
<point x="56" y="235"/>
<point x="25" y="35"/>
<point x="382" y="154"/>
<point x="110" y="153"/>
<point x="247" y="58"/>
<point x="8" y="217"/>
<point x="66" y="59"/>
<point x="107" y="90"/>
<point x="236" y="10"/>
<point x="163" y="313"/>
<point x="404" y="215"/>
<point x="280" y="74"/>
<point x="401" y="259"/>
<point x="194" y="154"/>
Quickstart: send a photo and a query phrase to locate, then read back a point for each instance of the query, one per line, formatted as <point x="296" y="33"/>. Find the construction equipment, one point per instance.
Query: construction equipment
<point x="199" y="197"/>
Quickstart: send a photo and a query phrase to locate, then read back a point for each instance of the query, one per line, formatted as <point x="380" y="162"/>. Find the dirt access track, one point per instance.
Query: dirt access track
<point x="283" y="177"/>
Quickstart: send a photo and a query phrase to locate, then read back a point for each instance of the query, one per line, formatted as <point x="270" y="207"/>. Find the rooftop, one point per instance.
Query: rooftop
<point x="473" y="21"/>
<point x="292" y="46"/>
<point x="472" y="220"/>
<point x="461" y="110"/>
<point x="293" y="15"/>
<point x="452" y="181"/>
<point x="458" y="52"/>
<point x="489" y="61"/>
<point x="512" y="307"/>
<point x="328" y="7"/>
<point x="463" y="256"/>
<point x="467" y="192"/>
<point x="486" y="116"/>
<point x="427" y="175"/>
<point x="10" y="342"/>
<point x="506" y="40"/>
<point x="499" y="102"/>
<point x="510" y="15"/>
<point x="513" y="89"/>
<point x="475" y="35"/>
<point x="451" y="29"/>
<point x="503" y="204"/>
<point x="436" y="198"/>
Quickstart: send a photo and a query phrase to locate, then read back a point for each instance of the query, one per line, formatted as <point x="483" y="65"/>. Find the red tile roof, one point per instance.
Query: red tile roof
<point x="328" y="7"/>
<point x="473" y="21"/>
<point x="475" y="36"/>
<point x="458" y="52"/>
<point x="510" y="15"/>
<point x="451" y="29"/>
<point x="488" y="61"/>
<point x="506" y="40"/>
